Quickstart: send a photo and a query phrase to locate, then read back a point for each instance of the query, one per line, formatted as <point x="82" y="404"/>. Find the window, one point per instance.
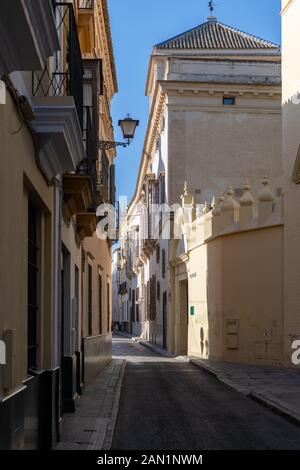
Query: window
<point x="162" y="189"/>
<point x="148" y="315"/>
<point x="228" y="101"/>
<point x="90" y="301"/>
<point x="100" y="303"/>
<point x="153" y="298"/>
<point x="33" y="272"/>
<point x="158" y="291"/>
<point x="133" y="306"/>
<point x="163" y="263"/>
<point x="76" y="320"/>
<point x="157" y="253"/>
<point x="157" y="144"/>
<point x="108" y="309"/>
<point x="137" y="313"/>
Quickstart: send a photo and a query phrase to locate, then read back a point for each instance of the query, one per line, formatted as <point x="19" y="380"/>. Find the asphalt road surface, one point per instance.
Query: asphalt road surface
<point x="170" y="405"/>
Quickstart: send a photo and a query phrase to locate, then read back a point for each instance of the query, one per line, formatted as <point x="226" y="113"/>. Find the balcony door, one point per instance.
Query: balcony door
<point x="33" y="273"/>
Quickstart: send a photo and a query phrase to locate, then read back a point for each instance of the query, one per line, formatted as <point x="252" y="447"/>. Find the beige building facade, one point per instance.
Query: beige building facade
<point x="55" y="316"/>
<point x="290" y="113"/>
<point x="227" y="281"/>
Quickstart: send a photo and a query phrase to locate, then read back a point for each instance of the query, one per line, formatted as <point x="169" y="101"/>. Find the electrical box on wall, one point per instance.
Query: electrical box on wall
<point x="232" y="334"/>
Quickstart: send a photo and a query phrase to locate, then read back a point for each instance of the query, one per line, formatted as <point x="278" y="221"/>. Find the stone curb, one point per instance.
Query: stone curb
<point x="104" y="440"/>
<point x="276" y="407"/>
<point x="153" y="348"/>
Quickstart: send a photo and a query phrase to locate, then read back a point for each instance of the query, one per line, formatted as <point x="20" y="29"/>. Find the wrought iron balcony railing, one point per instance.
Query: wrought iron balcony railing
<point x="123" y="288"/>
<point x="104" y="175"/>
<point x="112" y="185"/>
<point x="117" y="223"/>
<point x="65" y="80"/>
<point x="88" y="166"/>
<point x="85" y="4"/>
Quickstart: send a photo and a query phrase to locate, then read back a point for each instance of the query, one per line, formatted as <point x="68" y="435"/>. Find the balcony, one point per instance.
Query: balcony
<point x="103" y="182"/>
<point x="80" y="189"/>
<point x="59" y="135"/>
<point x="77" y="195"/>
<point x="115" y="239"/>
<point x="88" y="166"/>
<point x="93" y="88"/>
<point x="28" y="35"/>
<point x="58" y="101"/>
<point x="86" y="27"/>
<point x="112" y="185"/>
<point x="65" y="79"/>
<point x="86" y="224"/>
<point x="123" y="288"/>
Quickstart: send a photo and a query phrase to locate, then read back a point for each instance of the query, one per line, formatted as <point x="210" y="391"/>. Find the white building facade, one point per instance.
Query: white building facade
<point x="215" y="120"/>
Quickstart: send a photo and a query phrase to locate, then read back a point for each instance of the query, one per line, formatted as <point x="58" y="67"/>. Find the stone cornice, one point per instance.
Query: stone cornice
<point x="106" y="38"/>
<point x="224" y="109"/>
<point x="59" y="135"/>
<point x="36" y="39"/>
<point x="286" y="7"/>
<point x="220" y="87"/>
<point x="235" y="57"/>
<point x="150" y="139"/>
<point x="184" y="258"/>
<point x="214" y="54"/>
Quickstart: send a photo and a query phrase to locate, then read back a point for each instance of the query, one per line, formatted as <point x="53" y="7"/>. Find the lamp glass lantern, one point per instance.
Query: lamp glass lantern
<point x="128" y="126"/>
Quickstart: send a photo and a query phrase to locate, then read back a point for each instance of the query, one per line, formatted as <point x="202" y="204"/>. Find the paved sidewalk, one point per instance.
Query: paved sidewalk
<point x="275" y="387"/>
<point x="91" y="426"/>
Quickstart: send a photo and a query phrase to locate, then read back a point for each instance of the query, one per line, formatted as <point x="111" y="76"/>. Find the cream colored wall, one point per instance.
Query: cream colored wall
<point x="212" y="146"/>
<point x="239" y="278"/>
<point x="197" y="273"/>
<point x="98" y="254"/>
<point x="70" y="241"/>
<point x="20" y="176"/>
<point x="291" y="142"/>
<point x="252" y="293"/>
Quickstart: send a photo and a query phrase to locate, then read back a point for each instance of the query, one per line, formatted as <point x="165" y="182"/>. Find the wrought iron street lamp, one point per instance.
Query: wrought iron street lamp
<point x="128" y="127"/>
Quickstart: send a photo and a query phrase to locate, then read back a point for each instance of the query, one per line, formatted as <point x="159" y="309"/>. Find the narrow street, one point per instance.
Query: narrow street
<point x="167" y="404"/>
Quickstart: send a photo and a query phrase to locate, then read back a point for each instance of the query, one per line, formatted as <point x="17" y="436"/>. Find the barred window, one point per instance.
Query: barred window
<point x="158" y="291"/>
<point x="157" y="253"/>
<point x="163" y="263"/>
<point x="162" y="189"/>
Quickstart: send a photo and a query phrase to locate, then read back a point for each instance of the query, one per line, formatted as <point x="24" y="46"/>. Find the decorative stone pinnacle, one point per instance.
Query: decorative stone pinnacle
<point x="247" y="186"/>
<point x="230" y="191"/>
<point x="247" y="199"/>
<point x="185" y="189"/>
<point x="229" y="203"/>
<point x="206" y="208"/>
<point x="266" y="194"/>
<point x="265" y="181"/>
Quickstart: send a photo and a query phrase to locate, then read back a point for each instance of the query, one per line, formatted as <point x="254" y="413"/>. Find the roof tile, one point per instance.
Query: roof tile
<point x="215" y="35"/>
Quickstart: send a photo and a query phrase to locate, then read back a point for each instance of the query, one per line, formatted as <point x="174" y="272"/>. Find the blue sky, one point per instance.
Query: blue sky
<point x="139" y="24"/>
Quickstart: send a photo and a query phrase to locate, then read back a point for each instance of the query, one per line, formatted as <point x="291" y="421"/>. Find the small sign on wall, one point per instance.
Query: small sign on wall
<point x="192" y="311"/>
<point x="232" y="330"/>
